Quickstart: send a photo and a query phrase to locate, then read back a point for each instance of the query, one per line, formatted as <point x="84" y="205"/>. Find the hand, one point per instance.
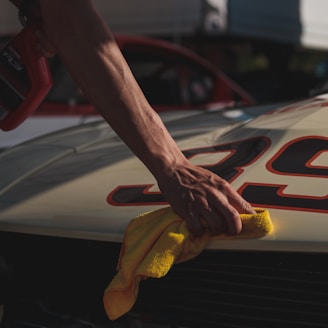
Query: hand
<point x="204" y="200"/>
<point x="197" y="195"/>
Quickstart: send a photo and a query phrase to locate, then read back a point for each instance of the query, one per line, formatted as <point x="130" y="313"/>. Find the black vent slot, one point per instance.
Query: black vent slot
<point x="240" y="290"/>
<point x="224" y="289"/>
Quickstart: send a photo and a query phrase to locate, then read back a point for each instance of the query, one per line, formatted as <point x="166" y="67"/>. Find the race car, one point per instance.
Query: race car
<point x="172" y="77"/>
<point x="66" y="199"/>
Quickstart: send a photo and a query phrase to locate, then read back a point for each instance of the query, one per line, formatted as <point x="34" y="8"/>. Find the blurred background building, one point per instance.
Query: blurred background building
<point x="276" y="50"/>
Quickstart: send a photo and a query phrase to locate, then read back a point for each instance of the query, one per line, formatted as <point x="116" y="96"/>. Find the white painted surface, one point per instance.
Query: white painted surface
<point x="78" y="207"/>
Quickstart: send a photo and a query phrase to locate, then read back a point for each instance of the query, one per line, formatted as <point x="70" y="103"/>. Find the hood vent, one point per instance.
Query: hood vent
<point x="241" y="290"/>
<point x="219" y="289"/>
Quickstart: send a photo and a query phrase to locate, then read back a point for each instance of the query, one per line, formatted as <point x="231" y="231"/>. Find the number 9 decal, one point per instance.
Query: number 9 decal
<point x="240" y="154"/>
<point x="296" y="158"/>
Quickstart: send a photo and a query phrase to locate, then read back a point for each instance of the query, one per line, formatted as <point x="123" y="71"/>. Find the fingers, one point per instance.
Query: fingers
<point x="216" y="213"/>
<point x="194" y="224"/>
<point x="217" y="218"/>
<point x="231" y="218"/>
<point x="210" y="204"/>
<point x="225" y="219"/>
<point x="240" y="204"/>
<point x="212" y="220"/>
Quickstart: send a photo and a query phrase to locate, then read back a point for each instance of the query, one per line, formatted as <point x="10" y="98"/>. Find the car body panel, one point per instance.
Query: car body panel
<point x="85" y="183"/>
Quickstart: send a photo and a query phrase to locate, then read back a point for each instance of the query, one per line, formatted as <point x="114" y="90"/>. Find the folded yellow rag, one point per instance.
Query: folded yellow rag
<point x="153" y="242"/>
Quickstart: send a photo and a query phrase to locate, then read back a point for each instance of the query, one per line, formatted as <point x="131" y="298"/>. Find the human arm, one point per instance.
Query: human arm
<point x="87" y="48"/>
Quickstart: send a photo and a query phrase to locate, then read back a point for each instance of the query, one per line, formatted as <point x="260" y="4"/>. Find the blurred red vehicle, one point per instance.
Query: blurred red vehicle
<point x="171" y="76"/>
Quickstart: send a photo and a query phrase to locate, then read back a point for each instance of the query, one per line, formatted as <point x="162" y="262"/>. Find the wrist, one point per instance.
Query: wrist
<point x="167" y="165"/>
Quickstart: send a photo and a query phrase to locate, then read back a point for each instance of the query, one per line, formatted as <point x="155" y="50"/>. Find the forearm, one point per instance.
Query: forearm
<point x="89" y="52"/>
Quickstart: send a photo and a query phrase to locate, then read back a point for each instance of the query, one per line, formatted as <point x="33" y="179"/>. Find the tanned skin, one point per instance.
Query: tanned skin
<point x="75" y="31"/>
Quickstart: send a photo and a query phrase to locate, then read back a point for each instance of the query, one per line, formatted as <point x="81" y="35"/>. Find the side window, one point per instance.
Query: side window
<point x="200" y="86"/>
<point x="157" y="76"/>
<point x="166" y="80"/>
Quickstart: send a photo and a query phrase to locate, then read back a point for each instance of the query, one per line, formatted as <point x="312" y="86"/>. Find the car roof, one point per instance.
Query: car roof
<point x="78" y="182"/>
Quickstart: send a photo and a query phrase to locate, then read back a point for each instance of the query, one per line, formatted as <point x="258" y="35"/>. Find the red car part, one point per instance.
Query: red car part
<point x="25" y="76"/>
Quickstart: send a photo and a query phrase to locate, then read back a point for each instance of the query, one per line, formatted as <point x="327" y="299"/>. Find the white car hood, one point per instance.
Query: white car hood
<point x="78" y="183"/>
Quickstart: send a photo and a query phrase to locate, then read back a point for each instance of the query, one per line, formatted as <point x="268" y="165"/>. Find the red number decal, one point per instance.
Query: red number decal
<point x="273" y="196"/>
<point x="135" y="195"/>
<point x="240" y="154"/>
<point x="294" y="159"/>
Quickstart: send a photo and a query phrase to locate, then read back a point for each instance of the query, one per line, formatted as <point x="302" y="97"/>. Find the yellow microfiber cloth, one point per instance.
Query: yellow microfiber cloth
<point x="156" y="240"/>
